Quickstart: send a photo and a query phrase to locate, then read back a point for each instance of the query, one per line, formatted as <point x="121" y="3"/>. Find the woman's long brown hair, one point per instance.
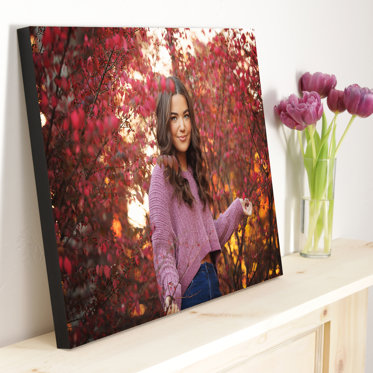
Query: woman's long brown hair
<point x="168" y="157"/>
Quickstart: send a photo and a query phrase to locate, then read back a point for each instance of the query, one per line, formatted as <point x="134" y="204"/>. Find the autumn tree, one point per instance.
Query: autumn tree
<point x="97" y="90"/>
<point x="223" y="77"/>
<point x="95" y="114"/>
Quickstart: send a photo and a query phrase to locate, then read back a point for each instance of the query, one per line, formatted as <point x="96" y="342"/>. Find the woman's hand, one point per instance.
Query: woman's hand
<point x="247" y="206"/>
<point x="170" y="306"/>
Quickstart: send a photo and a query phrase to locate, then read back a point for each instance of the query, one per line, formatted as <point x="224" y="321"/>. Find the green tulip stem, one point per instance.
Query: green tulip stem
<point x="334" y="120"/>
<point x="300" y="143"/>
<point x="311" y="130"/>
<point x="320" y="220"/>
<point x="332" y="140"/>
<point x="344" y="133"/>
<point x="314" y="233"/>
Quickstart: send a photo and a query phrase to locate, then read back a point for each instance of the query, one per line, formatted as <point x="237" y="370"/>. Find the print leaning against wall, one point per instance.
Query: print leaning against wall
<point x="93" y="100"/>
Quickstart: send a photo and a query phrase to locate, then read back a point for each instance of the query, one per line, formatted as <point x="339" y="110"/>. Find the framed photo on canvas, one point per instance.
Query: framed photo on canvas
<point x="152" y="171"/>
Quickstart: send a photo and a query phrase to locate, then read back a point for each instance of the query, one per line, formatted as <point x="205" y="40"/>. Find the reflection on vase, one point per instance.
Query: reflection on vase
<point x="317" y="209"/>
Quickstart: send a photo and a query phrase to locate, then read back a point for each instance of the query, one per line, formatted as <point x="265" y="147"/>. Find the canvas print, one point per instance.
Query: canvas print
<point x="152" y="171"/>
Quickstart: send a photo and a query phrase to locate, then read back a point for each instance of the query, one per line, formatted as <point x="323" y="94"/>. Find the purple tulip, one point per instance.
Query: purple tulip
<point x="335" y="101"/>
<point x="358" y="101"/>
<point x="298" y="112"/>
<point x="318" y="82"/>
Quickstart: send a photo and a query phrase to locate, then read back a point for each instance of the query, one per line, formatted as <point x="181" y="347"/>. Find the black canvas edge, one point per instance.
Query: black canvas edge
<point x="42" y="189"/>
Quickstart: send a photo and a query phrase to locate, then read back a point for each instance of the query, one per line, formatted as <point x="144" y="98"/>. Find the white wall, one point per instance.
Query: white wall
<point x="292" y="37"/>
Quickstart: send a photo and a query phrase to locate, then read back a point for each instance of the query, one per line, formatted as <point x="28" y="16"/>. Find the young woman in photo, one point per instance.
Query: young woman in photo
<point x="186" y="240"/>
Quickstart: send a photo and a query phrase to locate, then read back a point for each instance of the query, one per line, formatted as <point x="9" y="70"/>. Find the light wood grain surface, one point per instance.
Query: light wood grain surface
<point x="181" y="340"/>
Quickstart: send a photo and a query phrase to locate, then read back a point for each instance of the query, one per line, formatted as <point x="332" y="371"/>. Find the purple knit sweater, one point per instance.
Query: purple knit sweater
<point x="183" y="236"/>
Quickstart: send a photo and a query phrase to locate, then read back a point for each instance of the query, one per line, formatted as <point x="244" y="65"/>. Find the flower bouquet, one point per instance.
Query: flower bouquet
<point x="319" y="148"/>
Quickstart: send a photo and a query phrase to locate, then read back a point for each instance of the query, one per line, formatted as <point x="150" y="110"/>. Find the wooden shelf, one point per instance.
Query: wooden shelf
<point x="297" y="310"/>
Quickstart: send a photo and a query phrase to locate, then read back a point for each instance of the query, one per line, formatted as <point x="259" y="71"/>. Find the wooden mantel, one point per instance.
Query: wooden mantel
<point x="311" y="319"/>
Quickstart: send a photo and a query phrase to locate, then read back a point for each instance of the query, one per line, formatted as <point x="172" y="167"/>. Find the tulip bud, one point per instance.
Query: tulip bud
<point x="358" y="101"/>
<point x="298" y="113"/>
<point x="335" y="101"/>
<point x="318" y="82"/>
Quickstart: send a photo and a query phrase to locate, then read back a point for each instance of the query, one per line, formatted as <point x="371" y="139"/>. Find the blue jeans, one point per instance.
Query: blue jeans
<point x="204" y="287"/>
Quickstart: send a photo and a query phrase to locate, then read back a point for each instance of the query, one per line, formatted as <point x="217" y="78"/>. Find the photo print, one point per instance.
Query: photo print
<point x="152" y="171"/>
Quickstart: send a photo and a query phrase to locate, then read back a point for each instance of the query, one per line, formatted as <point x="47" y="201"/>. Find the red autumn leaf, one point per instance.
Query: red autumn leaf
<point x="64" y="84"/>
<point x="116" y="40"/>
<point x="44" y="101"/>
<point x="65" y="125"/>
<point x="163" y="83"/>
<point x="125" y="46"/>
<point x="46" y="60"/>
<point x="54" y="101"/>
<point x="110" y="258"/>
<point x="75" y="120"/>
<point x="171" y="86"/>
<point x="47" y="36"/>
<point x="91" y="150"/>
<point x="76" y="136"/>
<point x="81" y="115"/>
<point x="107" y="271"/>
<point x="67" y="265"/>
<point x="242" y="84"/>
<point x="86" y="191"/>
<point x="109" y="44"/>
<point x="68" y="152"/>
<point x="56" y="213"/>
<point x="90" y="65"/>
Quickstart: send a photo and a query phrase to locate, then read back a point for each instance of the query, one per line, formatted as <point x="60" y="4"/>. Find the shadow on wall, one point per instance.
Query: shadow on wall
<point x="24" y="288"/>
<point x="294" y="189"/>
<point x="293" y="174"/>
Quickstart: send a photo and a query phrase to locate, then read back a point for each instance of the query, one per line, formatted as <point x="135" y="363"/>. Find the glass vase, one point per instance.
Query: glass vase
<point x="317" y="208"/>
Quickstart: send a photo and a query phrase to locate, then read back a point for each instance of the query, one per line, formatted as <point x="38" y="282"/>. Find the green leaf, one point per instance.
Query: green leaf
<point x="333" y="143"/>
<point x="323" y="150"/>
<point x="308" y="165"/>
<point x="320" y="179"/>
<point x="324" y="125"/>
<point x="316" y="136"/>
<point x="331" y="176"/>
<point x="320" y="225"/>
